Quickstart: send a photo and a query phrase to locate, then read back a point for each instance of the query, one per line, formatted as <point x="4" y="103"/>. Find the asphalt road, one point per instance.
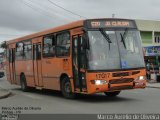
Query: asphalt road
<point x="129" y="101"/>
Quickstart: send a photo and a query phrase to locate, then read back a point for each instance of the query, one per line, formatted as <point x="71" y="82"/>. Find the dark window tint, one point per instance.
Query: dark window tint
<point x="157" y="39"/>
<point x="10" y="56"/>
<point x="39" y="52"/>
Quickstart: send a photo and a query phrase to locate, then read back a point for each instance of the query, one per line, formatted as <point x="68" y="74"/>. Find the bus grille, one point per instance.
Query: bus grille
<point x="122" y="80"/>
<point x="121" y="87"/>
<point x="135" y="72"/>
<point x="120" y="74"/>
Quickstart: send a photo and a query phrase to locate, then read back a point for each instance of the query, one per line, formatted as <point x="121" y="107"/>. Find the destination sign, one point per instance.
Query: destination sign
<point x="110" y="23"/>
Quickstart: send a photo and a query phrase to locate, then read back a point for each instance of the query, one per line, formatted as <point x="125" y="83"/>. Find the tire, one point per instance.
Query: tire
<point x="112" y="94"/>
<point x="23" y="83"/>
<point x="66" y="88"/>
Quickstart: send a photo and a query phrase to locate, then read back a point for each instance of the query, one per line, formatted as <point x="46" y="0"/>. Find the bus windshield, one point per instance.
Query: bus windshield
<point x="115" y="49"/>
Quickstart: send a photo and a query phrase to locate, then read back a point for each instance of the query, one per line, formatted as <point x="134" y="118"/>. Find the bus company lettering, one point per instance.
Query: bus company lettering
<point x="101" y="24"/>
<point x="102" y="75"/>
<point x="95" y="24"/>
<point x="116" y="23"/>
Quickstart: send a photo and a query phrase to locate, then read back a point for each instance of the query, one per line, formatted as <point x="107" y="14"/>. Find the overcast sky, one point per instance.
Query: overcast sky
<point x="21" y="17"/>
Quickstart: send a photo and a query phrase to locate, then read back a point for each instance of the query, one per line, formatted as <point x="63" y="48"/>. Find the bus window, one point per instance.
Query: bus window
<point x="19" y="51"/>
<point x="63" y="44"/>
<point x="49" y="46"/>
<point x="28" y="51"/>
<point x="37" y="52"/>
<point x="82" y="53"/>
<point x="7" y="54"/>
<point x="38" y="49"/>
<point x="10" y="56"/>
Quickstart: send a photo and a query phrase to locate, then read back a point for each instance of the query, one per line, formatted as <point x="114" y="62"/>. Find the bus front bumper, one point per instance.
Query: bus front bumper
<point x="117" y="87"/>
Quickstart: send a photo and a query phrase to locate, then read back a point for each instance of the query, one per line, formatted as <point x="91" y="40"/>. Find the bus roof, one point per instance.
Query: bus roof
<point x="49" y="31"/>
<point x="71" y="25"/>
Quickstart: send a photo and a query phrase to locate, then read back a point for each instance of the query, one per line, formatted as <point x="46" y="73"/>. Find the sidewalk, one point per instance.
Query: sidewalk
<point x="4" y="93"/>
<point x="153" y="85"/>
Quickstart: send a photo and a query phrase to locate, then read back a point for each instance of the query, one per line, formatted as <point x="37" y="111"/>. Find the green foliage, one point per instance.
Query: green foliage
<point x="3" y="45"/>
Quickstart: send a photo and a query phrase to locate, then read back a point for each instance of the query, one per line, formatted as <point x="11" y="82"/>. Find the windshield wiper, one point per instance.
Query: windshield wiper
<point x="106" y="36"/>
<point x="123" y="37"/>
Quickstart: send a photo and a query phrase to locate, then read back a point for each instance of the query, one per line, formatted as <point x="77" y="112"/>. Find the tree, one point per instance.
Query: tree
<point x="3" y="45"/>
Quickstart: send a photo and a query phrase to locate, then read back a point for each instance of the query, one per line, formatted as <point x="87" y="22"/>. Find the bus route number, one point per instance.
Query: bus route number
<point x="102" y="75"/>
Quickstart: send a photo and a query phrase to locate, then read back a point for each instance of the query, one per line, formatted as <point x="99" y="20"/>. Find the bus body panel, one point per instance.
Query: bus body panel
<point x="56" y="66"/>
<point x="26" y="68"/>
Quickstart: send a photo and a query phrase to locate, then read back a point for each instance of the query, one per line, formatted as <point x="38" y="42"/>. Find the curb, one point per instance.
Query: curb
<point x="8" y="93"/>
<point x="153" y="87"/>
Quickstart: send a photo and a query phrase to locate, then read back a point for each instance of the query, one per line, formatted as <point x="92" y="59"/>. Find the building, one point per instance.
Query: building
<point x="150" y="32"/>
<point x="150" y="35"/>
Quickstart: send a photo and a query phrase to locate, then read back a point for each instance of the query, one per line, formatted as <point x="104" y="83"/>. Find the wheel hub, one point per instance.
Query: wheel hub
<point x="67" y="88"/>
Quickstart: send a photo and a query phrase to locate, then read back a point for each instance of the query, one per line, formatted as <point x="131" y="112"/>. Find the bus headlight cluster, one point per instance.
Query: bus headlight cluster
<point x="98" y="82"/>
<point x="141" y="78"/>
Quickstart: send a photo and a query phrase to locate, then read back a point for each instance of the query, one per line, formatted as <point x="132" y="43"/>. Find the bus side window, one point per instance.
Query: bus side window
<point x="63" y="44"/>
<point x="82" y="53"/>
<point x="38" y="52"/>
<point x="7" y="54"/>
<point x="28" y="51"/>
<point x="49" y="46"/>
<point x="19" y="51"/>
<point x="10" y="56"/>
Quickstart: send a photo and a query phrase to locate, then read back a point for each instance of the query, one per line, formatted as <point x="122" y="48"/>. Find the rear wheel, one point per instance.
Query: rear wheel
<point x="23" y="83"/>
<point x="112" y="94"/>
<point x="66" y="88"/>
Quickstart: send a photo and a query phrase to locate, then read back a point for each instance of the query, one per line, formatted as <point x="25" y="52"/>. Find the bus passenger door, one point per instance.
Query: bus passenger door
<point x="79" y="63"/>
<point x="12" y="65"/>
<point x="37" y="65"/>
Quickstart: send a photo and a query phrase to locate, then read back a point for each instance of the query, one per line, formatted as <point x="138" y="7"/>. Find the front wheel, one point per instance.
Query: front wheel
<point x="67" y="89"/>
<point x="112" y="94"/>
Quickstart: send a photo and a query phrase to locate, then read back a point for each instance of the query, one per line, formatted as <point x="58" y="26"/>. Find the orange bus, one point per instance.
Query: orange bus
<point x="87" y="56"/>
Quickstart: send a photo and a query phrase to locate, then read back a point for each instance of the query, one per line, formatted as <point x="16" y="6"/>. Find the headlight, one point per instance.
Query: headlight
<point x="98" y="82"/>
<point x="141" y="78"/>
